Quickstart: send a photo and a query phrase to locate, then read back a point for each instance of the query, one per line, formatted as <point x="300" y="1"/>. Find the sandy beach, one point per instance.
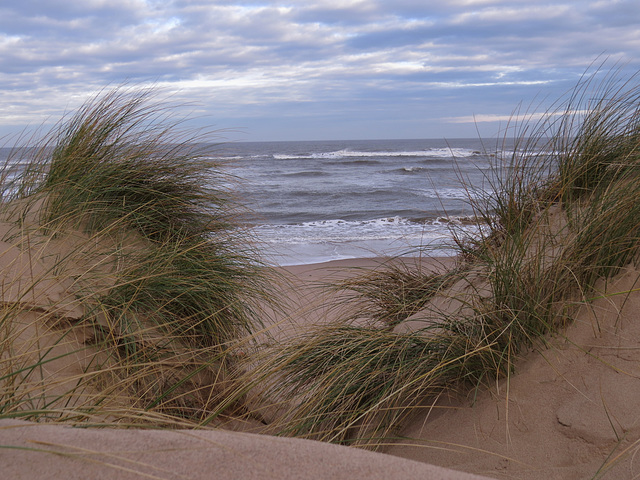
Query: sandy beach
<point x="44" y="451"/>
<point x="143" y="337"/>
<point x="568" y="412"/>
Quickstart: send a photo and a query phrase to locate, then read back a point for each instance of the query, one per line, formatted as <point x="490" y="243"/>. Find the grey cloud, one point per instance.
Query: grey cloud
<point x="65" y="19"/>
<point x="259" y="60"/>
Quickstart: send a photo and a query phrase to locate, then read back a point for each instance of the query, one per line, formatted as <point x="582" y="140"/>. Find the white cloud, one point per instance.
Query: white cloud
<point x="510" y="15"/>
<point x="446" y="59"/>
<point x="490" y="117"/>
<point x="513" y="118"/>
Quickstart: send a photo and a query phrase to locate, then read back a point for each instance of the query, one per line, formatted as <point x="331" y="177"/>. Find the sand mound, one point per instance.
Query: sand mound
<point x="571" y="411"/>
<point x="53" y="451"/>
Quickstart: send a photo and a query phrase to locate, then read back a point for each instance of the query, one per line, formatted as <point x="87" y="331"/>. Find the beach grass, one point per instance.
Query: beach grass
<point x="132" y="294"/>
<point x="391" y="294"/>
<point x="562" y="212"/>
<point x="145" y="275"/>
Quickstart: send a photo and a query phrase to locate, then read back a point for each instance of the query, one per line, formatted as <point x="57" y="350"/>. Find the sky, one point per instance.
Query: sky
<point x="316" y="69"/>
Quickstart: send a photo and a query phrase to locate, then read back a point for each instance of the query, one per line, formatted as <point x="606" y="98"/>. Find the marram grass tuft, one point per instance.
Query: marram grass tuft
<point x="562" y="212"/>
<point x="146" y="280"/>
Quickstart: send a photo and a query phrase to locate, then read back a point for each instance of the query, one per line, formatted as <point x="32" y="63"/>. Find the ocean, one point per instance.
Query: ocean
<point x="316" y="201"/>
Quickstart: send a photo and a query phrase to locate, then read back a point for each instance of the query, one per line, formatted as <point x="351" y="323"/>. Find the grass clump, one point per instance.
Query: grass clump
<point x="352" y="384"/>
<point x="115" y="161"/>
<point x="562" y="213"/>
<point x="394" y="293"/>
<point x="143" y="269"/>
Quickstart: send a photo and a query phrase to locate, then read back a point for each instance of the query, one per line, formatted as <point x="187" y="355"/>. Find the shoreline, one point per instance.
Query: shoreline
<point x="367" y="263"/>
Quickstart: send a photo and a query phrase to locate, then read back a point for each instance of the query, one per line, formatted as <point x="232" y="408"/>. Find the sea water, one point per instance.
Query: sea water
<point x="317" y="201"/>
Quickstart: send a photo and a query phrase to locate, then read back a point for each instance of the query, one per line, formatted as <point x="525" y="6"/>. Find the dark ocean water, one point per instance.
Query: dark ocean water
<point x="329" y="200"/>
<point x="319" y="201"/>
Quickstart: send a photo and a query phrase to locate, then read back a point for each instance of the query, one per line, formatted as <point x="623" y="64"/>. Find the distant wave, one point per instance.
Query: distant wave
<point x="393" y="222"/>
<point x="226" y="157"/>
<point x="311" y="173"/>
<point x="450" y="193"/>
<point x="388" y="228"/>
<point x="346" y="153"/>
<point x="411" y="170"/>
<point x="386" y="221"/>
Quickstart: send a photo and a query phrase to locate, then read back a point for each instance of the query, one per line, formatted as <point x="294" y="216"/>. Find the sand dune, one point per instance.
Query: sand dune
<point x="53" y="451"/>
<point x="129" y="298"/>
<point x="569" y="411"/>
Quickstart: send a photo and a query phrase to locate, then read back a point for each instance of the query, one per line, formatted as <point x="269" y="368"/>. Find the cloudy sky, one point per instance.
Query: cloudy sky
<point x="312" y="69"/>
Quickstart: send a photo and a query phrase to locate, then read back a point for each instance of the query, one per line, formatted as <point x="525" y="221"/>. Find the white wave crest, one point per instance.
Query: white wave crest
<point x="340" y="231"/>
<point x="346" y="153"/>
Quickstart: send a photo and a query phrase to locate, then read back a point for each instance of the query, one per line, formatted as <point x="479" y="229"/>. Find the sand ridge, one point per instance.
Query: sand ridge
<point x="55" y="451"/>
<point x="570" y="411"/>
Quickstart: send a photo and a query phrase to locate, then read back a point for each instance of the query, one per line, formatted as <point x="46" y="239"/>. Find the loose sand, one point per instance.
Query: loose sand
<point x="57" y="452"/>
<point x="570" y="411"/>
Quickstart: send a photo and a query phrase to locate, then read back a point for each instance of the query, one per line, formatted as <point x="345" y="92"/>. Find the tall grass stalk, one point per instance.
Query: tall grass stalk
<point x="561" y="212"/>
<point x="393" y="293"/>
<point x="146" y="279"/>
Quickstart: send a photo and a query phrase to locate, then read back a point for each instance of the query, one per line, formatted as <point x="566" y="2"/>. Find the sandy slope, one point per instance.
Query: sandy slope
<point x="571" y="410"/>
<point x="32" y="288"/>
<point x="55" y="451"/>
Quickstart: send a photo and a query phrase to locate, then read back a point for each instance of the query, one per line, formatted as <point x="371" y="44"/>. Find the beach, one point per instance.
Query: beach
<point x="563" y="415"/>
<point x="146" y="332"/>
<point x="39" y="451"/>
<point x="568" y="412"/>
